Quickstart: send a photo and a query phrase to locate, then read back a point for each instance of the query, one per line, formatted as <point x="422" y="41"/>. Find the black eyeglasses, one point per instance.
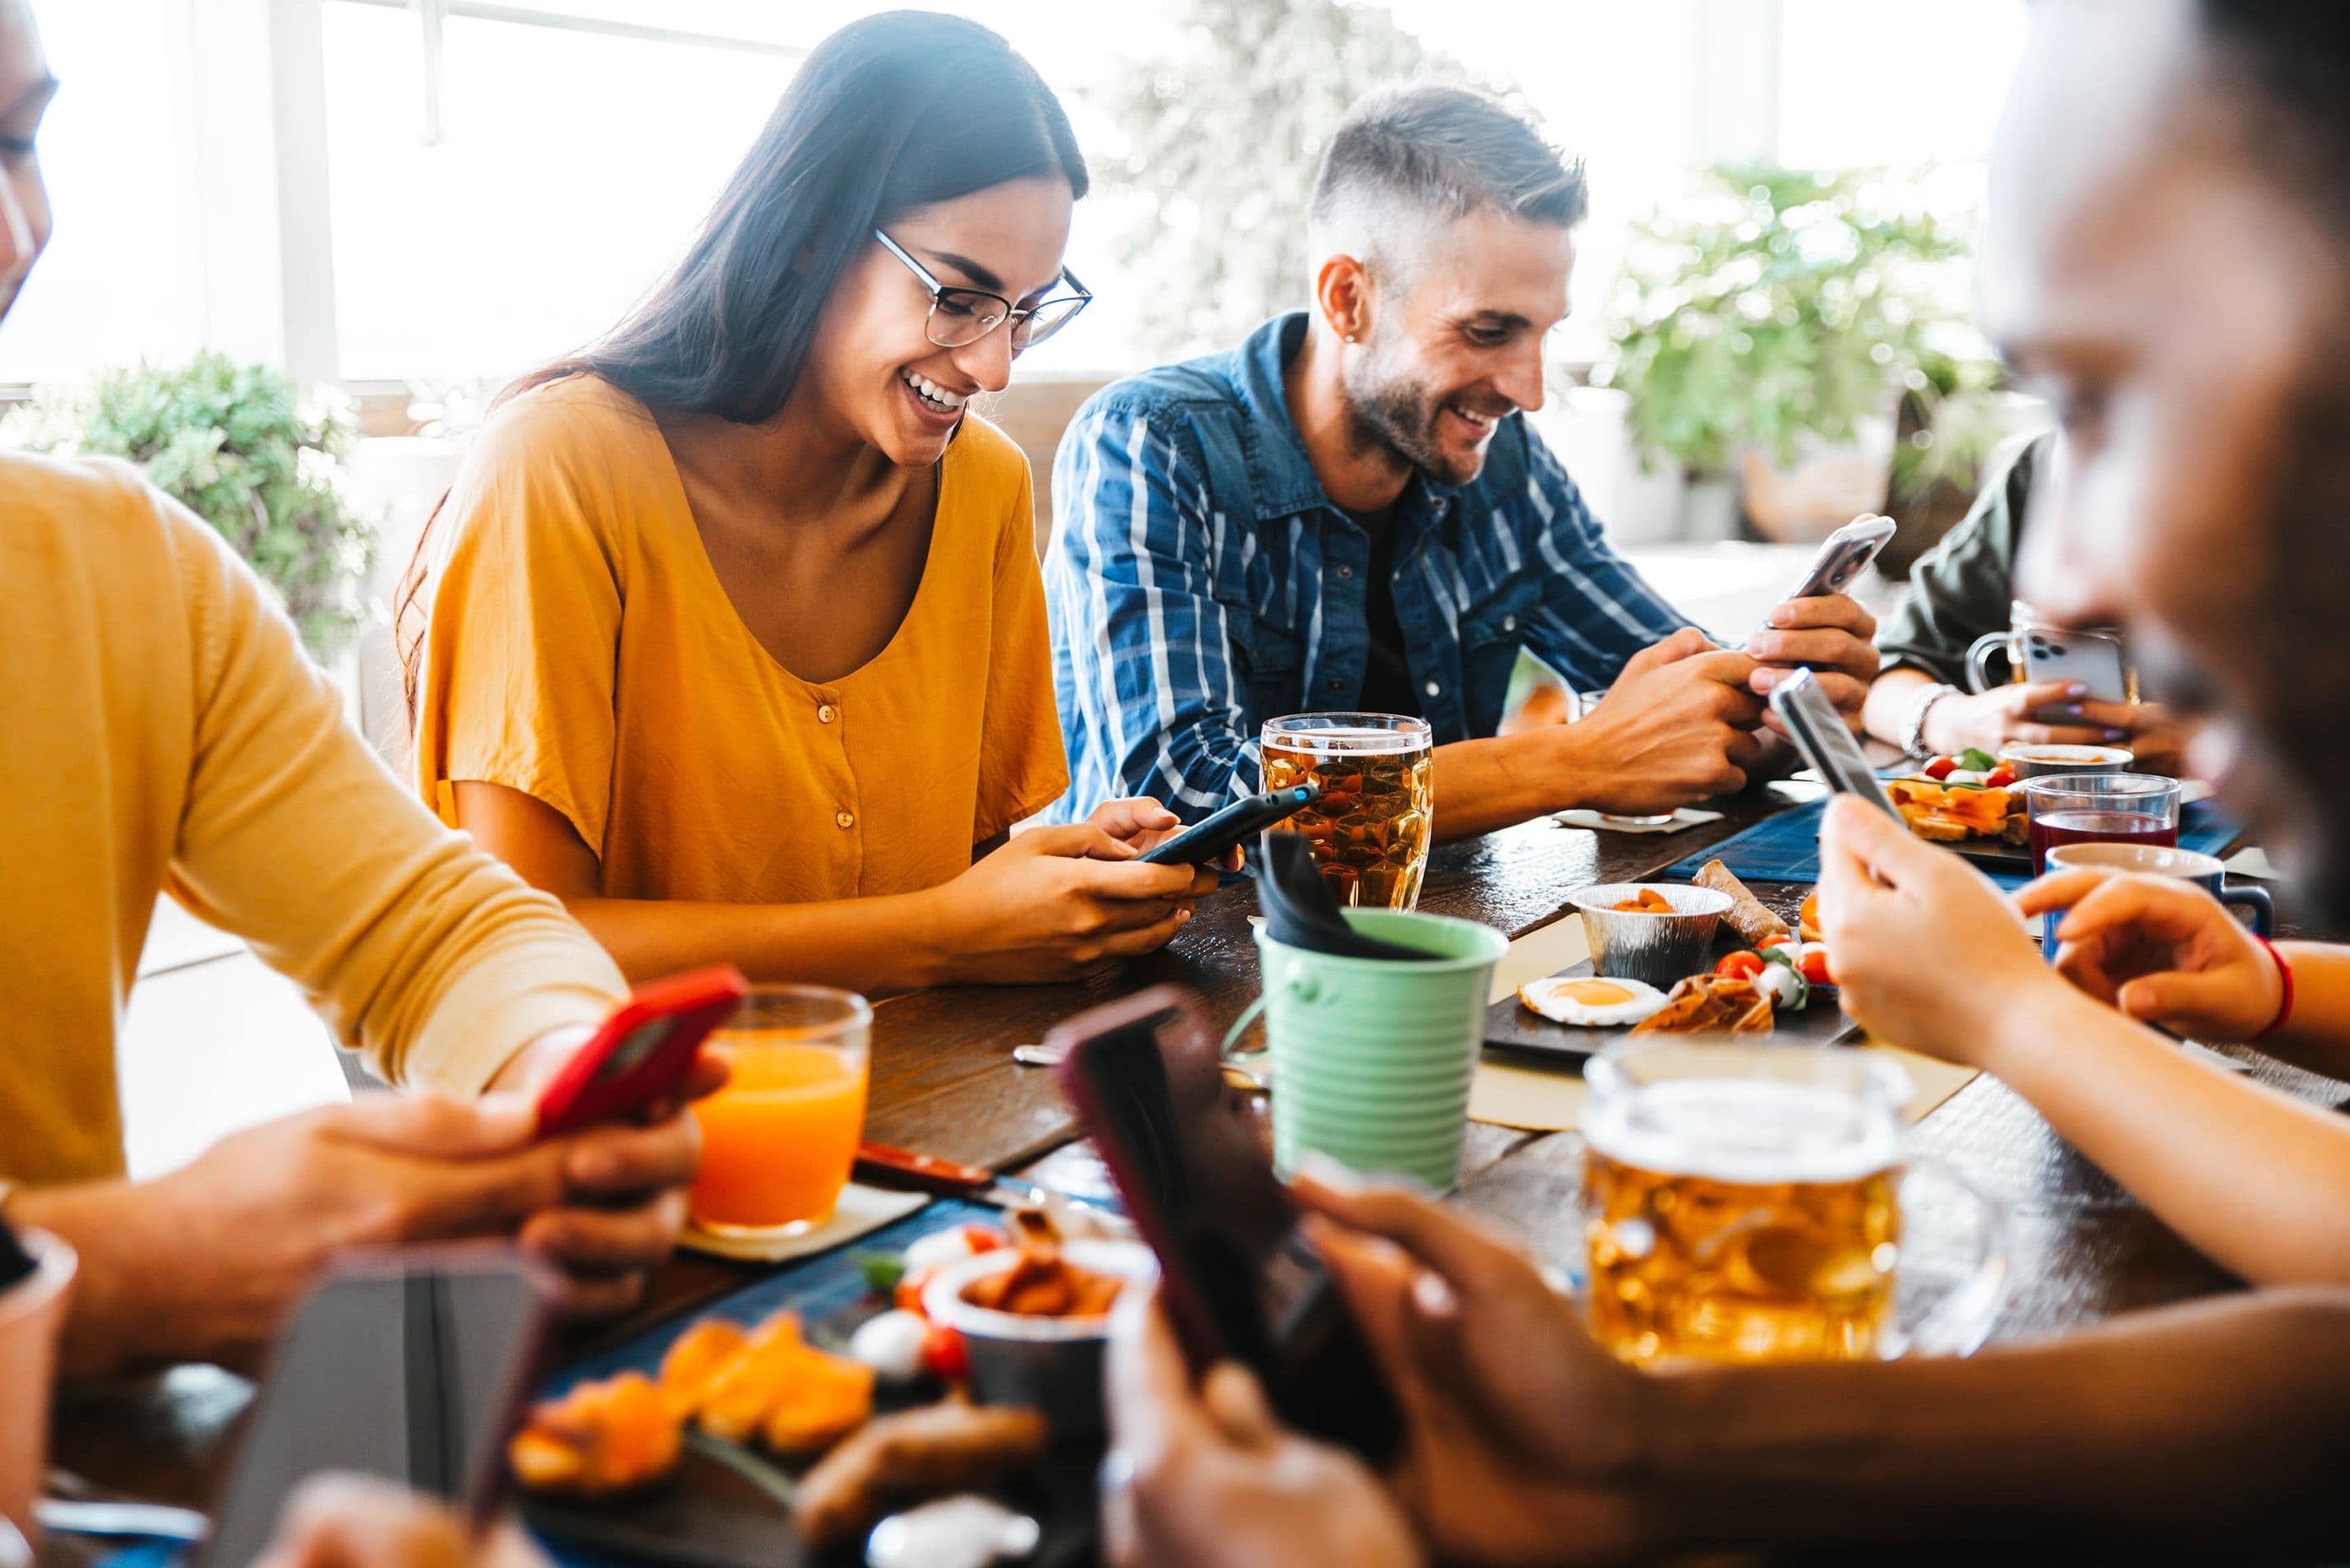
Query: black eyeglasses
<point x="964" y="315"/>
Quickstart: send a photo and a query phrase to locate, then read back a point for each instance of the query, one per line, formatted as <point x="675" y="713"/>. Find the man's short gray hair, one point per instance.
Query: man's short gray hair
<point x="1432" y="153"/>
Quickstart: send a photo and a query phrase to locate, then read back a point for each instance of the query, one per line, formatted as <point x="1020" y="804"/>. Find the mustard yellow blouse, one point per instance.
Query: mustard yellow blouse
<point x="582" y="649"/>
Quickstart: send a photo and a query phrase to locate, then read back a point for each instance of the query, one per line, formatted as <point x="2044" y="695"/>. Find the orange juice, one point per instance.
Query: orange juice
<point x="777" y="1141"/>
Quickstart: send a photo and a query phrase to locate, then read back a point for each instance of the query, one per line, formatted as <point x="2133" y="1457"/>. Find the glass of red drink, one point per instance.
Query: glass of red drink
<point x="2100" y="808"/>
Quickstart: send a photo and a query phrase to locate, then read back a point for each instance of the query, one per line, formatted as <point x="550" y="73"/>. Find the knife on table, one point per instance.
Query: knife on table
<point x="878" y="1164"/>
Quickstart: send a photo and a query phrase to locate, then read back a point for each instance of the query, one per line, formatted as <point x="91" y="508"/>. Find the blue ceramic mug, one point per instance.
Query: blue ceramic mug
<point x="2160" y="860"/>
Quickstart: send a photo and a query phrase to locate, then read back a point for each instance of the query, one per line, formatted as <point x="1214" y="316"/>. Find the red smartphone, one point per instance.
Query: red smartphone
<point x="643" y="1050"/>
<point x="411" y="1366"/>
<point x="1239" y="1277"/>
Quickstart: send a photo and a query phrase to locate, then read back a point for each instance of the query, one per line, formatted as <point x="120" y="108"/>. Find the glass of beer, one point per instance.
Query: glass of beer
<point x="1743" y="1204"/>
<point x="778" y="1141"/>
<point x="1370" y="830"/>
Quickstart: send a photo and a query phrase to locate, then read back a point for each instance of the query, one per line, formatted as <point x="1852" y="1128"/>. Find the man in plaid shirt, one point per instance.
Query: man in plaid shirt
<point x="1349" y="513"/>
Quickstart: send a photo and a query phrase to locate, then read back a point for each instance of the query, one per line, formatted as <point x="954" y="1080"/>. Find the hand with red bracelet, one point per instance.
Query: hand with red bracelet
<point x="2163" y="951"/>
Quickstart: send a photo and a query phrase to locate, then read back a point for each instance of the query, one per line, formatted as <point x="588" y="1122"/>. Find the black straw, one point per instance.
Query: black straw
<point x="1299" y="911"/>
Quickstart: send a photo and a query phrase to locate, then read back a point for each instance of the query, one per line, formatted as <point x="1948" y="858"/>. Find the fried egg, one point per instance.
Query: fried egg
<point x="1589" y="1001"/>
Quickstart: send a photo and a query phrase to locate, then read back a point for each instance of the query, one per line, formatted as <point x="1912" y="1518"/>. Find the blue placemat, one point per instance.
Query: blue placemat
<point x="1786" y="848"/>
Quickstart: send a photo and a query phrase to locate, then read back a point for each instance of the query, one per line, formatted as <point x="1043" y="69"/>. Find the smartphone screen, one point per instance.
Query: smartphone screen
<point x="409" y="1371"/>
<point x="1239" y="1277"/>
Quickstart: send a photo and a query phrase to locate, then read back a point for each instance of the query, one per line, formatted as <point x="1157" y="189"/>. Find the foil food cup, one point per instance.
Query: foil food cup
<point x="1658" y="950"/>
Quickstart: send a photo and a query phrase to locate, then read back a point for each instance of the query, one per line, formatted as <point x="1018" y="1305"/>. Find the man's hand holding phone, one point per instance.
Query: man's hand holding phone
<point x="1208" y="1477"/>
<point x="1830" y="637"/>
<point x="1524" y="1438"/>
<point x="1820" y="627"/>
<point x="1678" y="727"/>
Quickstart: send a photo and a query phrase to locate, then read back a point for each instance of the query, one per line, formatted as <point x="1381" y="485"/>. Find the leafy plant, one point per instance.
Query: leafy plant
<point x="1222" y="132"/>
<point x="1779" y="304"/>
<point x="243" y="449"/>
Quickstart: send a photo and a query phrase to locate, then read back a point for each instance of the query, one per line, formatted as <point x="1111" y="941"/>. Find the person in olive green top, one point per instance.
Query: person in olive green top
<point x="1964" y="588"/>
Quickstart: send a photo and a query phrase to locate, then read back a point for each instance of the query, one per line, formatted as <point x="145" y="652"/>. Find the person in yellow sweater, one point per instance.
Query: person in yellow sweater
<point x="731" y="630"/>
<point x="163" y="732"/>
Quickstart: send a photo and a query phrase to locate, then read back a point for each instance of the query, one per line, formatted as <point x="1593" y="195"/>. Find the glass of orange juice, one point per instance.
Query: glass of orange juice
<point x="778" y="1141"/>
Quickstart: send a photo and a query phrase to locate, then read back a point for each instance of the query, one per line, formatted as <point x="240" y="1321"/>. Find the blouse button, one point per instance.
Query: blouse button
<point x="825" y="714"/>
<point x="846" y="818"/>
<point x="1345" y="573"/>
<point x="1433" y="689"/>
<point x="1509" y="623"/>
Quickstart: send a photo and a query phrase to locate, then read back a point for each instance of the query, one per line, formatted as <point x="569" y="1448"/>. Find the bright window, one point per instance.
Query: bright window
<point x="571" y="170"/>
<point x="124" y="274"/>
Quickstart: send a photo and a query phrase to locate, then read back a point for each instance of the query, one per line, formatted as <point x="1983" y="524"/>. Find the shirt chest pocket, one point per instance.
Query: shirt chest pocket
<point x="1491" y="636"/>
<point x="1270" y="663"/>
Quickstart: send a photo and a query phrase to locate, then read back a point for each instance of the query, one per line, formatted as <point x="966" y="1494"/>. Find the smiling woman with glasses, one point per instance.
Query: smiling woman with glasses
<point x="731" y="632"/>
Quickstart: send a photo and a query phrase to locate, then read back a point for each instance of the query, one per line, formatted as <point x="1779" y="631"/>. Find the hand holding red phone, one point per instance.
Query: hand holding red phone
<point x="616" y="1099"/>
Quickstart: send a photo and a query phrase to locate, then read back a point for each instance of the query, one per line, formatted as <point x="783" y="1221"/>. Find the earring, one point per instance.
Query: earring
<point x="1350" y="338"/>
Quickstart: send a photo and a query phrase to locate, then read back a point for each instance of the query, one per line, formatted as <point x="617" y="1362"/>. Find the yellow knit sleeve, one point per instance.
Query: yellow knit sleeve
<point x="435" y="959"/>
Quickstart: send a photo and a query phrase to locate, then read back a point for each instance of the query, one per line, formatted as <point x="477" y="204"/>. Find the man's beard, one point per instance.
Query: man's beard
<point x="1399" y="414"/>
<point x="2293" y="660"/>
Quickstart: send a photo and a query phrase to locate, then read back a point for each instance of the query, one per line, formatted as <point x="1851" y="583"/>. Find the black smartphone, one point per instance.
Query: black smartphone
<point x="1204" y="841"/>
<point x="1819" y="733"/>
<point x="410" y="1366"/>
<point x="1239" y="1278"/>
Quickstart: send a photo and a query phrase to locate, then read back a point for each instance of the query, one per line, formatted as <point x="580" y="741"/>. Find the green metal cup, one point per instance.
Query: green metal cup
<point x="1372" y="1058"/>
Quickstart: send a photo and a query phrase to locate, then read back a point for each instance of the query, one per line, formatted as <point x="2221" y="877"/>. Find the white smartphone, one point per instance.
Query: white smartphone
<point x="1843" y="556"/>
<point x="1820" y="734"/>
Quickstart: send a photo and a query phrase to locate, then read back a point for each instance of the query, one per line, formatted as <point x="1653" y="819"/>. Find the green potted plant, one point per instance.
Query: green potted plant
<point x="1771" y="329"/>
<point x="241" y="446"/>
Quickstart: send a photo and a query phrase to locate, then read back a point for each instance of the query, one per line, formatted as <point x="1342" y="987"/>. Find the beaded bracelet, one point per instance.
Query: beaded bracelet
<point x="2284" y="1006"/>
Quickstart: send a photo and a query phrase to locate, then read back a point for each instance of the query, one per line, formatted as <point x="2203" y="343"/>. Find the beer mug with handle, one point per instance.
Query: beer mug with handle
<point x="1751" y="1201"/>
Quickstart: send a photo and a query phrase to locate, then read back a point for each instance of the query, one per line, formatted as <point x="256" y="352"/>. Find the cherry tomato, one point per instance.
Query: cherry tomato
<point x="1814" y="967"/>
<point x="1941" y="768"/>
<point x="1740" y="966"/>
<point x="944" y="1353"/>
<point x="1999" y="777"/>
<point x="984" y="1238"/>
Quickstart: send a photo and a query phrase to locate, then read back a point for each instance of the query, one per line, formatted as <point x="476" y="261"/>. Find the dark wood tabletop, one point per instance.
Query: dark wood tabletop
<point x="944" y="1082"/>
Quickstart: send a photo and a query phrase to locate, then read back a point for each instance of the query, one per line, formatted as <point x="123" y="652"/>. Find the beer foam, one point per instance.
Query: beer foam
<point x="1338" y="741"/>
<point x="1751" y="1131"/>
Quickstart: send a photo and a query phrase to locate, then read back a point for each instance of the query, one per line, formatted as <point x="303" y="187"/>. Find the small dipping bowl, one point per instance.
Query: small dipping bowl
<point x="1051" y="1365"/>
<point x="2032" y="762"/>
<point x="1658" y="950"/>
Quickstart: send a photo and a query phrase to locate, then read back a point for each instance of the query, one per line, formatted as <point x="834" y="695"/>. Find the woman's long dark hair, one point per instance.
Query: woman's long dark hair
<point x="890" y="113"/>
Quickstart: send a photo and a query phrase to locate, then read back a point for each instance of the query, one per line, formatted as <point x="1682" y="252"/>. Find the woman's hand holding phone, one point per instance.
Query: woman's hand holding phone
<point x="2054" y="713"/>
<point x="1143" y="824"/>
<point x="1058" y="904"/>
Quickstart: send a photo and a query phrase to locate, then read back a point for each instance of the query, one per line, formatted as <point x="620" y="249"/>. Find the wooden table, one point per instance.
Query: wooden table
<point x="943" y="1082"/>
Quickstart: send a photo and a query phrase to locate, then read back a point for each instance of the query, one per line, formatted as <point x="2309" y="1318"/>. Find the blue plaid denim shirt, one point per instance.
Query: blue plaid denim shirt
<point x="1199" y="582"/>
